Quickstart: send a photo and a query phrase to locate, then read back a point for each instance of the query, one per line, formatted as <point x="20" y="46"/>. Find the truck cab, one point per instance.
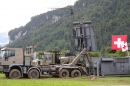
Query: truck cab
<point x="53" y="57"/>
<point x="11" y="56"/>
<point x="49" y="58"/>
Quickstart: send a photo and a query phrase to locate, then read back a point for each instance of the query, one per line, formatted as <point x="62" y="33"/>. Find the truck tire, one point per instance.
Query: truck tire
<point x="64" y="73"/>
<point x="75" y="73"/>
<point x="33" y="74"/>
<point x="14" y="74"/>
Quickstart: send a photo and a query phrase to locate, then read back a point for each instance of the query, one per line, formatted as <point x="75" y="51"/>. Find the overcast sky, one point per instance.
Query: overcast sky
<point x="16" y="13"/>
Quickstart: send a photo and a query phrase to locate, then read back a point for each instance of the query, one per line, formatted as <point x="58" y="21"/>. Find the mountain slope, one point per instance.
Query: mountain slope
<point x="51" y="30"/>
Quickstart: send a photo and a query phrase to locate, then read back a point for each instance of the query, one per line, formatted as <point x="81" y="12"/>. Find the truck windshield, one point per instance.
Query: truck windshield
<point x="48" y="56"/>
<point x="2" y="54"/>
<point x="41" y="56"/>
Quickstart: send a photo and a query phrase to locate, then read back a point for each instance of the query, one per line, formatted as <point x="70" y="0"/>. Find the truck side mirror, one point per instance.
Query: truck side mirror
<point x="6" y="57"/>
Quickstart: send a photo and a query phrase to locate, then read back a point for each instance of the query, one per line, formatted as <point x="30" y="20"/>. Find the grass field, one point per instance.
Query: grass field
<point x="82" y="81"/>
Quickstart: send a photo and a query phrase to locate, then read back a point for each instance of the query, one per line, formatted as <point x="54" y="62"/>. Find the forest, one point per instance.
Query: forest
<point x="52" y="30"/>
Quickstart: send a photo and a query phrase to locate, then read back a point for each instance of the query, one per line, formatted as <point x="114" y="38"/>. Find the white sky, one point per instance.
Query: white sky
<point x="16" y="13"/>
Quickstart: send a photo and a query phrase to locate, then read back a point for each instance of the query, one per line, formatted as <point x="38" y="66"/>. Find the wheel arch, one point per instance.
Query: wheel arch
<point x="34" y="68"/>
<point x="16" y="67"/>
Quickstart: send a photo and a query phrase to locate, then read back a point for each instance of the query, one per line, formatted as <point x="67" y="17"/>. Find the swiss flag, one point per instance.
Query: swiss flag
<point x="119" y="42"/>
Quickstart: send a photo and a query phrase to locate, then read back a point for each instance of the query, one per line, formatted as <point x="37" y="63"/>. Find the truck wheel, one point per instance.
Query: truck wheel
<point x="33" y="74"/>
<point x="64" y="73"/>
<point x="75" y="73"/>
<point x="14" y="74"/>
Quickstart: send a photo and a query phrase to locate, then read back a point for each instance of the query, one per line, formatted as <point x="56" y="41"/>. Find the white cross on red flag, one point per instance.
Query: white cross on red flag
<point x="119" y="42"/>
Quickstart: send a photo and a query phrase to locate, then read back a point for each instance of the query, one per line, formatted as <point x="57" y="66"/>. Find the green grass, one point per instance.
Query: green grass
<point x="48" y="81"/>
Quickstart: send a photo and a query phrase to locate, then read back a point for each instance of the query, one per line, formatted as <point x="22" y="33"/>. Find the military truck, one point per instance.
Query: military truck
<point x="19" y="63"/>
